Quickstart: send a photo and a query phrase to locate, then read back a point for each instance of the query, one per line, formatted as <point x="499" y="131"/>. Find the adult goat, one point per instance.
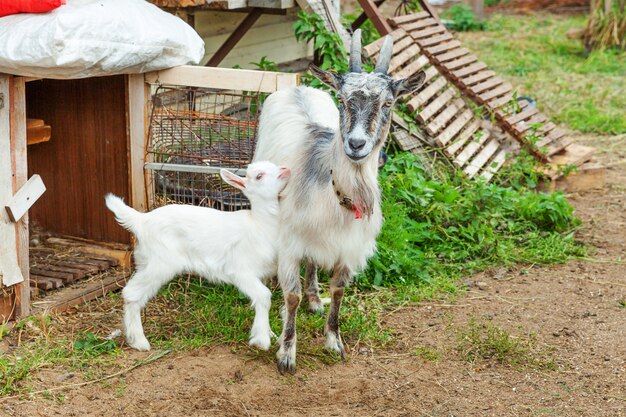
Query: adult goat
<point x="330" y="209"/>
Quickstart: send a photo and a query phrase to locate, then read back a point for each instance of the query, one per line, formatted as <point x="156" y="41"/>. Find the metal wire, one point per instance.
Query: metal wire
<point x="203" y="128"/>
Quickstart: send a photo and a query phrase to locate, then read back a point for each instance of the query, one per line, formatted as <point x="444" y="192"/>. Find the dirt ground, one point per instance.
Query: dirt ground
<point x="574" y="309"/>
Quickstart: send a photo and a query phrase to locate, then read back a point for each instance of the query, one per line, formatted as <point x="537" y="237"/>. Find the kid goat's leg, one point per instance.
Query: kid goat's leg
<point x="313" y="289"/>
<point x="289" y="279"/>
<point x="261" y="299"/>
<point x="341" y="277"/>
<point x="143" y="285"/>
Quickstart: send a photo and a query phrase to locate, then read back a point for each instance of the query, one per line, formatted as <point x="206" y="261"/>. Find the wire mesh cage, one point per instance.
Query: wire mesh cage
<point x="193" y="133"/>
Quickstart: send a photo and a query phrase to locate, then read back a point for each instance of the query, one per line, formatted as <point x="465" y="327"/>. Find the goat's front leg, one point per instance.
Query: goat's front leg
<point x="261" y="299"/>
<point x="341" y="278"/>
<point x="289" y="279"/>
<point x="313" y="289"/>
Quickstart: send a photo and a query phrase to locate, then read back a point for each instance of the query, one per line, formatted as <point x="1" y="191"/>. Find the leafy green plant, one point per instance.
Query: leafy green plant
<point x="265" y="64"/>
<point x="91" y="345"/>
<point x="463" y="19"/>
<point x="448" y="226"/>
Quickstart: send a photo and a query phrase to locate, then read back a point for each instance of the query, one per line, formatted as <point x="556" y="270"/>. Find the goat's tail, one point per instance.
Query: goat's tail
<point x="126" y="216"/>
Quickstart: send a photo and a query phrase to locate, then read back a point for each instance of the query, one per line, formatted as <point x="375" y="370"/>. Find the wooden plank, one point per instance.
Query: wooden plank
<point x="460" y="140"/>
<point x="100" y="265"/>
<point x="476" y="78"/>
<point x="27" y="195"/>
<point x="525" y="125"/>
<point x="461" y="62"/>
<point x="412" y="68"/>
<point x="430" y="73"/>
<point x="403" y="57"/>
<point x="434" y="50"/>
<point x="410" y="27"/>
<point x="42" y="283"/>
<point x="138" y="102"/>
<point x="373" y="48"/>
<point x="426" y="94"/>
<point x="487" y="85"/>
<point x="472" y="147"/>
<point x="76" y="273"/>
<point x="436" y="105"/>
<point x="574" y="154"/>
<point x="91" y="292"/>
<point x="222" y="78"/>
<point x="424" y="33"/>
<point x="472" y="69"/>
<point x="494" y="165"/>
<point x="42" y="272"/>
<point x="496" y="92"/>
<point x="33" y="123"/>
<point x="76" y="265"/>
<point x="481" y="159"/>
<point x="38" y="134"/>
<point x="588" y="176"/>
<point x="399" y="20"/>
<point x="399" y="46"/>
<point x="454" y="127"/>
<point x="435" y="40"/>
<point x="500" y="101"/>
<point x="445" y="116"/>
<point x="111" y="260"/>
<point x="454" y="54"/>
<point x="558" y="146"/>
<point x="511" y="120"/>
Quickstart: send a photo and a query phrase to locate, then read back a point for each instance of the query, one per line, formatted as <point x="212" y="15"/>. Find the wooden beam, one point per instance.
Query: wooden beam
<point x="235" y="37"/>
<point x="379" y="22"/>
<point x="138" y="102"/>
<point x="363" y="17"/>
<point x="223" y="78"/>
<point x="428" y="8"/>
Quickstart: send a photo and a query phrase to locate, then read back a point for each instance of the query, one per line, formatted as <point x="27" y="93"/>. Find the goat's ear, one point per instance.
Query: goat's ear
<point x="232" y="179"/>
<point x="330" y="78"/>
<point x="408" y="85"/>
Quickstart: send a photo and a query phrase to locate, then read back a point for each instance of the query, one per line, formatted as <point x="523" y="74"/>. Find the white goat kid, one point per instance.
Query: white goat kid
<point x="330" y="209"/>
<point x="237" y="248"/>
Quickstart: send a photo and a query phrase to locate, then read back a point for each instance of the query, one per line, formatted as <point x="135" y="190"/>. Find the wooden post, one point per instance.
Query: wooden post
<point x="138" y="96"/>
<point x="428" y="8"/>
<point x="363" y="17"/>
<point x="18" y="148"/>
<point x="374" y="15"/>
<point x="235" y="37"/>
<point x="478" y="6"/>
<point x="11" y="171"/>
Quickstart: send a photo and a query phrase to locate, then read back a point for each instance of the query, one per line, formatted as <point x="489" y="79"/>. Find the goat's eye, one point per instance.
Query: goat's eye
<point x="387" y="103"/>
<point x="259" y="176"/>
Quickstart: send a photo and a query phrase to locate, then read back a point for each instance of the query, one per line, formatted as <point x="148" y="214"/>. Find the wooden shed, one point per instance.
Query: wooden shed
<point x="64" y="144"/>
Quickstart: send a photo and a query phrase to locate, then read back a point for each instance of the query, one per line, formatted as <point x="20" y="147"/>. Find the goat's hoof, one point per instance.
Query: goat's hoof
<point x="261" y="342"/>
<point x="286" y="365"/>
<point x="141" y="344"/>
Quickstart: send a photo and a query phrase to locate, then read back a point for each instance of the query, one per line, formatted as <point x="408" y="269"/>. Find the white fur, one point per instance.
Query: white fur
<point x="237" y="248"/>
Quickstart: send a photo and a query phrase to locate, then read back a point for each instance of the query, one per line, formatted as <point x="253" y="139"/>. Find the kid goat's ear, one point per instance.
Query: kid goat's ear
<point x="232" y="179"/>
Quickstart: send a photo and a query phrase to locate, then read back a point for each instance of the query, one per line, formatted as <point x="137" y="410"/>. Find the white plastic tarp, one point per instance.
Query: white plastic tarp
<point x="87" y="38"/>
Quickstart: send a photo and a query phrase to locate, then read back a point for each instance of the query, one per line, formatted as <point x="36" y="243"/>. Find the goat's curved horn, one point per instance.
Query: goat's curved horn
<point x="355" y="52"/>
<point x="384" y="56"/>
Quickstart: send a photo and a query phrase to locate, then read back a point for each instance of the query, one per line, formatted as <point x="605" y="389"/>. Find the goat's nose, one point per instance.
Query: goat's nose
<point x="356" y="144"/>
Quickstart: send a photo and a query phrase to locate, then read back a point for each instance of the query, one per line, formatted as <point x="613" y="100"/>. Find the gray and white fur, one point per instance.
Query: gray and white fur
<point x="330" y="209"/>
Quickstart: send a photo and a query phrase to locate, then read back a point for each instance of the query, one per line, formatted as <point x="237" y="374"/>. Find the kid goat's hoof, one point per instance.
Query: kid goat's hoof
<point x="261" y="342"/>
<point x="141" y="345"/>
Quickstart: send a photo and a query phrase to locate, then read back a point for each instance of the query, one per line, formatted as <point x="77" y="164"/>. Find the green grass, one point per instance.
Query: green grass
<point x="482" y="340"/>
<point x="587" y="93"/>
